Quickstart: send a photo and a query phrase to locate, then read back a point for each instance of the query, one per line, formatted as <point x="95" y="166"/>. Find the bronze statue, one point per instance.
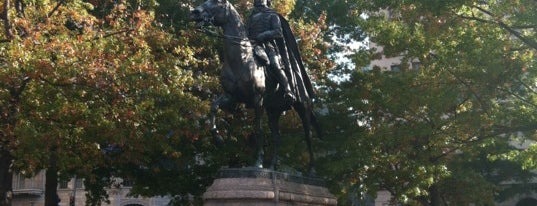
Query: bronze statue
<point x="265" y="29"/>
<point x="245" y="79"/>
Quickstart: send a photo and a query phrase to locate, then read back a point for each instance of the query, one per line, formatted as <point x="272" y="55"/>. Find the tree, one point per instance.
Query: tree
<point x="95" y="89"/>
<point x="114" y="89"/>
<point x="442" y="134"/>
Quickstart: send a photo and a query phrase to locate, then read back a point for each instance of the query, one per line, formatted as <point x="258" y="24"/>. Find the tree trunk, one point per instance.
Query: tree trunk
<point x="6" y="177"/>
<point x="19" y="7"/>
<point x="436" y="197"/>
<point x="51" y="180"/>
<point x="7" y="22"/>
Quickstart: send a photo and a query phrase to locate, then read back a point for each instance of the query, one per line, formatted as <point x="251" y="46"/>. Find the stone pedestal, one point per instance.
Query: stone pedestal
<point x="252" y="186"/>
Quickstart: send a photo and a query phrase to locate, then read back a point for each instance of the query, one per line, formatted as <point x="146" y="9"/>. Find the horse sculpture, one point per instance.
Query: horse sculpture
<point x="244" y="81"/>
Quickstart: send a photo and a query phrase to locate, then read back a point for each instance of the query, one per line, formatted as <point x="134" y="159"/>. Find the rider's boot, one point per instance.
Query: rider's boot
<point x="288" y="95"/>
<point x="275" y="65"/>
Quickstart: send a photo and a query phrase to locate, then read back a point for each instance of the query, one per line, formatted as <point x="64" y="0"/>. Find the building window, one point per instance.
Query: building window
<point x="126" y="183"/>
<point x="415" y="65"/>
<point x="79" y="183"/>
<point x="20" y="182"/>
<point x="395" y="68"/>
<point x="63" y="184"/>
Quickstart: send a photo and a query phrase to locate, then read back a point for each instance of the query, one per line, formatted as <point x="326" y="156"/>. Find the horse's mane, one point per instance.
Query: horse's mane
<point x="235" y="13"/>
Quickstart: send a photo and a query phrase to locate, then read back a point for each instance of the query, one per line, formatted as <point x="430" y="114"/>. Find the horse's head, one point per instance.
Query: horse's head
<point x="212" y="12"/>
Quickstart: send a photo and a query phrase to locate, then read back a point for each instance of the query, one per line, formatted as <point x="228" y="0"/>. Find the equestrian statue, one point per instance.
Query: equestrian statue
<point x="262" y="68"/>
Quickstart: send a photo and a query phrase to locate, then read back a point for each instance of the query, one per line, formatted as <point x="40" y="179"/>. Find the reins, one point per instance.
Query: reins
<point x="245" y="42"/>
<point x="237" y="40"/>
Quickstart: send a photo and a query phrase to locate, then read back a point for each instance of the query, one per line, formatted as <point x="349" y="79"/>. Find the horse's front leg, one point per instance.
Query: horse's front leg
<point x="222" y="100"/>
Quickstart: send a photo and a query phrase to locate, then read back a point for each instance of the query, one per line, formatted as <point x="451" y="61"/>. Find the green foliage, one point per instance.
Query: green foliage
<point x="441" y="134"/>
<point x="121" y="89"/>
<point x="109" y="92"/>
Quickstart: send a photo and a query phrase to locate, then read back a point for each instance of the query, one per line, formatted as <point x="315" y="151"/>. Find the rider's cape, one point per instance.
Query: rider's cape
<point x="294" y="67"/>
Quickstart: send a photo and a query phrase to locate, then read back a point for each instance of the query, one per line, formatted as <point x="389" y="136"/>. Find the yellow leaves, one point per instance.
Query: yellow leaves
<point x="42" y="66"/>
<point x="283" y="7"/>
<point x="466" y="106"/>
<point x="121" y="7"/>
<point x="142" y="20"/>
<point x="22" y="24"/>
<point x="87" y="5"/>
<point x="408" y="8"/>
<point x="119" y="80"/>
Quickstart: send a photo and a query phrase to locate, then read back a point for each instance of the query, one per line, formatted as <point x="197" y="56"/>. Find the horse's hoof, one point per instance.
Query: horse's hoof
<point x="312" y="173"/>
<point x="259" y="164"/>
<point x="273" y="164"/>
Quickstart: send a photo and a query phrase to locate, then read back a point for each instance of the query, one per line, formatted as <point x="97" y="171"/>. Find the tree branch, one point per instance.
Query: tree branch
<point x="511" y="30"/>
<point x="114" y="33"/>
<point x="473" y="18"/>
<point x="7" y="22"/>
<point x="55" y="8"/>
<point x="19" y="7"/>
<point x="517" y="34"/>
<point x="466" y="84"/>
<point x="521" y="98"/>
<point x="15" y="92"/>
<point x="524" y="26"/>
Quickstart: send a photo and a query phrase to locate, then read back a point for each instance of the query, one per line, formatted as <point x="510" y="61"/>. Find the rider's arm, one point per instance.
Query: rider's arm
<point x="274" y="29"/>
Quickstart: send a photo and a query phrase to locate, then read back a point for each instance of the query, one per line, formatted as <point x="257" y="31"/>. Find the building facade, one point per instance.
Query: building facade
<point x="31" y="191"/>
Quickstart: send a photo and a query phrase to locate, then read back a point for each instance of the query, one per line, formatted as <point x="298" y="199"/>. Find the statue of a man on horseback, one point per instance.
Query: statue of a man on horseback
<point x="261" y="69"/>
<point x="275" y="47"/>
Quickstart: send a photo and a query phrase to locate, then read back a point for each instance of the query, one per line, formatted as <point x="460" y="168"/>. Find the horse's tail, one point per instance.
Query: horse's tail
<point x="316" y="125"/>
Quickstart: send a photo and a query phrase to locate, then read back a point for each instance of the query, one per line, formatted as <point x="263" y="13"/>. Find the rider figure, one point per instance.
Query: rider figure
<point x="264" y="28"/>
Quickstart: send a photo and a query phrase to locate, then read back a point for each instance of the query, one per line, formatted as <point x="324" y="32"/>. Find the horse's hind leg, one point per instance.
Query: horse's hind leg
<point x="316" y="125"/>
<point x="274" y="126"/>
<point x="304" y="111"/>
<point x="258" y="136"/>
